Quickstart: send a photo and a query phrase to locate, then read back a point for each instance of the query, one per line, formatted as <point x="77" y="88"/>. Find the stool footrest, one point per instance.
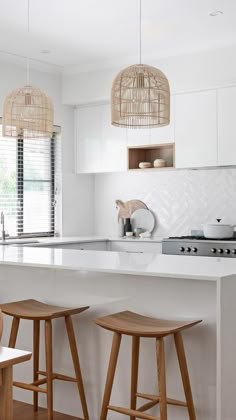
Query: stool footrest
<point x="58" y="376"/>
<point x="148" y="405"/>
<point x="134" y="413"/>
<point x="30" y="387"/>
<point x="156" y="399"/>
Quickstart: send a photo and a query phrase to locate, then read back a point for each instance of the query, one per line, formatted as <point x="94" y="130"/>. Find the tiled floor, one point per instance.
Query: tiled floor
<point x="24" y="411"/>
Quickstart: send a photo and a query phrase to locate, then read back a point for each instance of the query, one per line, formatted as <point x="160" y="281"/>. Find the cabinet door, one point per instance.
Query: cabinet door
<point x="196" y="129"/>
<point x="88" y="137"/>
<point x="122" y="246"/>
<point x="226" y="126"/>
<point x="138" y="136"/>
<point x="163" y="135"/>
<point x="114" y="145"/>
<point x="94" y="246"/>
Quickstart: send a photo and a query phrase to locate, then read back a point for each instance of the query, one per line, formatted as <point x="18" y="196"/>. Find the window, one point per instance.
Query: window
<point x="27" y="185"/>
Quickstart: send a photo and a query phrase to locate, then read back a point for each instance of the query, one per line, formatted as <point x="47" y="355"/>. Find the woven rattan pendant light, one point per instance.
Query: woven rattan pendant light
<point x="28" y="111"/>
<point x="140" y="96"/>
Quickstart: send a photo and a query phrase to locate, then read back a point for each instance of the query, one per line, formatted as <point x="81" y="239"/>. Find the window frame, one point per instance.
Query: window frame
<point x="20" y="187"/>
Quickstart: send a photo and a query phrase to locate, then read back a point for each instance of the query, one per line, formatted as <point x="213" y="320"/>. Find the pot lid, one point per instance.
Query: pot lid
<point x="218" y="223"/>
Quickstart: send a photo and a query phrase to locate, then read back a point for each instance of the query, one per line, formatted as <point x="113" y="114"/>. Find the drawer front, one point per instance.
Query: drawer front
<point x="94" y="246"/>
<point x="122" y="246"/>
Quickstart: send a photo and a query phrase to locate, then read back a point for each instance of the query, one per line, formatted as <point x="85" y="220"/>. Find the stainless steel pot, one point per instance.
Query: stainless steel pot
<point x="218" y="230"/>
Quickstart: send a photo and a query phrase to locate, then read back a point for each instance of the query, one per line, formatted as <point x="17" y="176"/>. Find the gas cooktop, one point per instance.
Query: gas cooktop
<point x="202" y="238"/>
<point x="199" y="246"/>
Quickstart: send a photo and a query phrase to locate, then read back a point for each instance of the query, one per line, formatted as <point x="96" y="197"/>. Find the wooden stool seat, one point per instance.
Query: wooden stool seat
<point x="137" y="326"/>
<point x="37" y="311"/>
<point x="130" y="323"/>
<point x="33" y="309"/>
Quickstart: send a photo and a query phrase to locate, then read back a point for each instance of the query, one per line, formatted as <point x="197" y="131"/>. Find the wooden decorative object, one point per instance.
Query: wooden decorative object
<point x="126" y="209"/>
<point x="140" y="98"/>
<point x="28" y="112"/>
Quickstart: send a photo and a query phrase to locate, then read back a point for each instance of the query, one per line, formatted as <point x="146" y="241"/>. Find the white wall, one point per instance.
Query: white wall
<point x="186" y="72"/>
<point x="12" y="76"/>
<point x="180" y="199"/>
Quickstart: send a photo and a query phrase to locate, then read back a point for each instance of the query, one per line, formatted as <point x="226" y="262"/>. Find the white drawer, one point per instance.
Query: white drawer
<point x="94" y="246"/>
<point x="155" y="247"/>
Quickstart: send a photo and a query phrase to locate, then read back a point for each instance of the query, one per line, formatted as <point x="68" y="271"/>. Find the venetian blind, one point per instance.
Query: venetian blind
<point x="27" y="185"/>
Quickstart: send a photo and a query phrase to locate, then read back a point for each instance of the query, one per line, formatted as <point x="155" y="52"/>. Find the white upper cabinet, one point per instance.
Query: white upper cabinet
<point x="163" y="135"/>
<point x="227" y="126"/>
<point x="88" y="137"/>
<point x="138" y="136"/>
<point x="100" y="147"/>
<point x="202" y="126"/>
<point x="196" y="129"/>
<point x="114" y="144"/>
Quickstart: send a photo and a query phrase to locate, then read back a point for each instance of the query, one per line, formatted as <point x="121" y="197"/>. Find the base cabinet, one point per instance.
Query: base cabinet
<point x="93" y="246"/>
<point x="122" y="246"/>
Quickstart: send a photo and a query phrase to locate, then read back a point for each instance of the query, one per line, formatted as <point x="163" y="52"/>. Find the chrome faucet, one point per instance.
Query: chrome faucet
<point x="3" y="226"/>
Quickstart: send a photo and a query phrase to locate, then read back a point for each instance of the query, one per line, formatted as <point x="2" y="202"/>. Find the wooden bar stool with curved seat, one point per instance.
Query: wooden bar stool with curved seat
<point x="8" y="358"/>
<point x="138" y="326"/>
<point x="37" y="311"/>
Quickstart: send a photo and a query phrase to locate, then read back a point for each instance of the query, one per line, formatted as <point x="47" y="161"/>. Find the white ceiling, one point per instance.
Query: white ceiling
<point x="96" y="33"/>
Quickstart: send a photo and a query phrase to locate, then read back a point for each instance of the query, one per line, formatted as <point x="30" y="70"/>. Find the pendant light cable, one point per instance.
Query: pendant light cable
<point x="28" y="111"/>
<point x="140" y="31"/>
<point x="27" y="58"/>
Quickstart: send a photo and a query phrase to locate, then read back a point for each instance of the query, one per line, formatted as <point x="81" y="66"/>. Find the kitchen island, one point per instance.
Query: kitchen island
<point x="165" y="286"/>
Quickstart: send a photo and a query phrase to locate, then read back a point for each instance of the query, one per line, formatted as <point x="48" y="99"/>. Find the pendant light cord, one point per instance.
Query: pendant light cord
<point x="28" y="31"/>
<point x="140" y="31"/>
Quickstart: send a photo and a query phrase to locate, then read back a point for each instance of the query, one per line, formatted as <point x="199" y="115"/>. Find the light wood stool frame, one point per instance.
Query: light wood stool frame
<point x="48" y="375"/>
<point x="9" y="358"/>
<point x="112" y="323"/>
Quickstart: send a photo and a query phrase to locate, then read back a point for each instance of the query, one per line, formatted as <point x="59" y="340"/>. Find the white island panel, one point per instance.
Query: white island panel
<point x="155" y="285"/>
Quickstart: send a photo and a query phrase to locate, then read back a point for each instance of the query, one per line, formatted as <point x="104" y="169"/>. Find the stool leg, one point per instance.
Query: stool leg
<point x="161" y="377"/>
<point x="14" y="331"/>
<point x="75" y="357"/>
<point x="48" y="348"/>
<point x="134" y="373"/>
<point x="184" y="373"/>
<point x="110" y="374"/>
<point x="36" y="358"/>
<point x="6" y="403"/>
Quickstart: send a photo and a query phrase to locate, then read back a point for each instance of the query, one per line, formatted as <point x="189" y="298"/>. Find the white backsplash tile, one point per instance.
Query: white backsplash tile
<point x="180" y="199"/>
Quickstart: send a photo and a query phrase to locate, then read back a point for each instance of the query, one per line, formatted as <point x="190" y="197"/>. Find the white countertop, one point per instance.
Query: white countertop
<point x="146" y="264"/>
<point x="40" y="242"/>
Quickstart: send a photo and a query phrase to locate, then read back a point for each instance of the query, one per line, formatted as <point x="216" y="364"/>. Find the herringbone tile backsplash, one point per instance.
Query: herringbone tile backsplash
<point x="180" y="199"/>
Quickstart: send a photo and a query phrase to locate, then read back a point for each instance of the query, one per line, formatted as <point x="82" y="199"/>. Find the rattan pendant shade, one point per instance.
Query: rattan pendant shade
<point x="28" y="112"/>
<point x="140" y="98"/>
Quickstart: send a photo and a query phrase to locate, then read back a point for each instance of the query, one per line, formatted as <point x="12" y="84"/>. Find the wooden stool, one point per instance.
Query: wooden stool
<point x="137" y="326"/>
<point x="36" y="312"/>
<point x="8" y="358"/>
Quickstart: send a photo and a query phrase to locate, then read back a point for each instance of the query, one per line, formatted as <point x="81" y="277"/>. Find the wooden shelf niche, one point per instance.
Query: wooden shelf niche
<point x="149" y="153"/>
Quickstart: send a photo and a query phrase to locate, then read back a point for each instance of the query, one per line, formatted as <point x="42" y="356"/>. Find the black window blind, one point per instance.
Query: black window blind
<point x="27" y="185"/>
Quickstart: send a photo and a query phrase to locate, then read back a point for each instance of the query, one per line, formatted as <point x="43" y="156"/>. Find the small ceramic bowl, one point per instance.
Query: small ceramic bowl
<point x="137" y="231"/>
<point x="129" y="234"/>
<point x="159" y="163"/>
<point x="143" y="165"/>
